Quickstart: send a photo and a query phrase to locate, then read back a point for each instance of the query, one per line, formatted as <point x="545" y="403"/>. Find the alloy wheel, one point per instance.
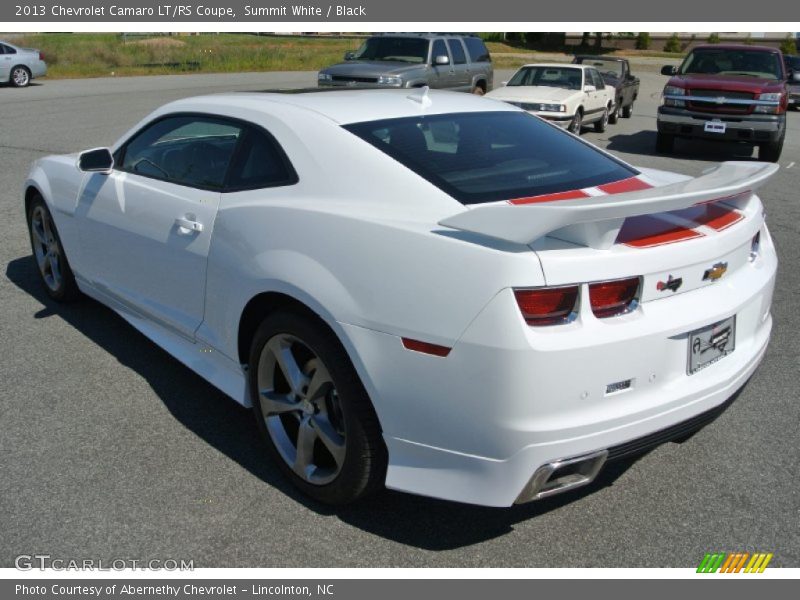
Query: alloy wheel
<point x="46" y="248"/>
<point x="20" y="77"/>
<point x="301" y="409"/>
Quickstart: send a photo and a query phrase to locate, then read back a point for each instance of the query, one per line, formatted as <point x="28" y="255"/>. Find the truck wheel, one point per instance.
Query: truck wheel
<point x="770" y="151"/>
<point x="665" y="142"/>
<point x="627" y="111"/>
<point x="479" y="89"/>
<point x="614" y="116"/>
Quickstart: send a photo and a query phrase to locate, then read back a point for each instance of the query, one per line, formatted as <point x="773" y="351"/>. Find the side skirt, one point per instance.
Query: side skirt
<point x="216" y="368"/>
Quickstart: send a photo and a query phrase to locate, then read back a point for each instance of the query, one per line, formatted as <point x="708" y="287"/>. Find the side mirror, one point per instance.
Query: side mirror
<point x="98" y="160"/>
<point x="349" y="55"/>
<point x="669" y="70"/>
<point x="589" y="88"/>
<point x="441" y="60"/>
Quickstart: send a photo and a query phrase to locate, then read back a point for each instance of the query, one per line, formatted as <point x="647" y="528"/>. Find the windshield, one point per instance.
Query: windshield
<point x="747" y="63"/>
<point x="606" y="67"/>
<point x="488" y="156"/>
<point x="560" y="77"/>
<point x="398" y="49"/>
<point x="792" y="62"/>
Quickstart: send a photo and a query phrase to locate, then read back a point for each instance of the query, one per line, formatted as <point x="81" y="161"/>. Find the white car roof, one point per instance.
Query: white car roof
<point x="343" y="107"/>
<point x="559" y="65"/>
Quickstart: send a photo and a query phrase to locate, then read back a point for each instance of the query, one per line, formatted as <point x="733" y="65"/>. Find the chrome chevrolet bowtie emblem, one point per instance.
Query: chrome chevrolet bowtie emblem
<point x="715" y="272"/>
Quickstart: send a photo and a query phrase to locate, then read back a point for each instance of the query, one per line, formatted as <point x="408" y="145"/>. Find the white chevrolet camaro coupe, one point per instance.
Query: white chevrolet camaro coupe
<point x="570" y="96"/>
<point x="425" y="290"/>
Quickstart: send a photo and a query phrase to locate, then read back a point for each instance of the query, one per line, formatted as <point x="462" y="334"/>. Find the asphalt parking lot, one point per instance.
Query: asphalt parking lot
<point x="112" y="449"/>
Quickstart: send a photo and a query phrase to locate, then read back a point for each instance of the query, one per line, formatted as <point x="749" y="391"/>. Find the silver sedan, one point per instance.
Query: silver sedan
<point x="18" y="66"/>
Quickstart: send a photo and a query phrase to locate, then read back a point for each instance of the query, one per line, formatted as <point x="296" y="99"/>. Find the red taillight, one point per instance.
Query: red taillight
<point x="41" y="56"/>
<point x="610" y="298"/>
<point x="547" y="306"/>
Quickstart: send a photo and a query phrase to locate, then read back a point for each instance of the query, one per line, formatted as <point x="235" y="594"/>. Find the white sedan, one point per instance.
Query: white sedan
<point x="429" y="291"/>
<point x="570" y="96"/>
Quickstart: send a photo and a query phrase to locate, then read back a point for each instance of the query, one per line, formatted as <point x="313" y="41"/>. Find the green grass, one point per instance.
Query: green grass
<point x="71" y="55"/>
<point x="97" y="55"/>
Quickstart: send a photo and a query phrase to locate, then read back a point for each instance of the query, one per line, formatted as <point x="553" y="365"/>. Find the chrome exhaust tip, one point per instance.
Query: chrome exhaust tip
<point x="562" y="475"/>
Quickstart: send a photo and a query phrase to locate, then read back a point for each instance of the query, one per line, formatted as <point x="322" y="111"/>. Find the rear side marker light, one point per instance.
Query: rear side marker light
<point x="547" y="306"/>
<point x="612" y="298"/>
<point x="425" y="347"/>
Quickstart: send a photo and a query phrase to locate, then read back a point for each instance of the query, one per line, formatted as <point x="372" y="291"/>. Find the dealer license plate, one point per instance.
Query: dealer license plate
<point x="714" y="127"/>
<point x="711" y="343"/>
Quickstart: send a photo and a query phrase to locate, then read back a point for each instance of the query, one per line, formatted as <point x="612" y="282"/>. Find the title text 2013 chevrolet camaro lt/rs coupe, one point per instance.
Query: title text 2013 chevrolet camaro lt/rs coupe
<point x="425" y="290"/>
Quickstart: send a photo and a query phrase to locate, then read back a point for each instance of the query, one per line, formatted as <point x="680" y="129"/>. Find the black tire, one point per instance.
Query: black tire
<point x="20" y="76"/>
<point x="614" y="116"/>
<point x="46" y="246"/>
<point x="627" y="111"/>
<point x="363" y="467"/>
<point x="576" y="125"/>
<point x="770" y="151"/>
<point x="665" y="143"/>
<point x="600" y="126"/>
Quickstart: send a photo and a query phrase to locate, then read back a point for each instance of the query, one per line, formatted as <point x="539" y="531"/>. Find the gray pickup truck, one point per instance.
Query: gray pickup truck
<point x="405" y="60"/>
<point x="615" y="72"/>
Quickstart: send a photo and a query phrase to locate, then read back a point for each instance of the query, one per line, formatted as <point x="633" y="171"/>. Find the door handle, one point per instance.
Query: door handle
<point x="187" y="225"/>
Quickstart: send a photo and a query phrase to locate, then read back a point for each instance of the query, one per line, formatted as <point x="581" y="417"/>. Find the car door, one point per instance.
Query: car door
<point x="462" y="78"/>
<point x="596" y="98"/>
<point x="146" y="227"/>
<point x="442" y="76"/>
<point x="6" y="59"/>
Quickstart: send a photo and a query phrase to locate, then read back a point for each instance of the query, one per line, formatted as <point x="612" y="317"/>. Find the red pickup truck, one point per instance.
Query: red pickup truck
<point x="726" y="92"/>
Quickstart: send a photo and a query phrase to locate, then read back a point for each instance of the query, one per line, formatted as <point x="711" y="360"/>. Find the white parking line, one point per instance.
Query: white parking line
<point x="790" y="165"/>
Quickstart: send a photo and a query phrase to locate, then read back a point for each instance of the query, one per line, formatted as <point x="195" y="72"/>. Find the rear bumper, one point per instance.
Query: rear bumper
<point x="38" y="69"/>
<point x="741" y="128"/>
<point x="475" y="426"/>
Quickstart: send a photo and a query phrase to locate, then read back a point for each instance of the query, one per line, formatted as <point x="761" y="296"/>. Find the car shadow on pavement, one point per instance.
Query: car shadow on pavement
<point x="416" y="521"/>
<point x="644" y="142"/>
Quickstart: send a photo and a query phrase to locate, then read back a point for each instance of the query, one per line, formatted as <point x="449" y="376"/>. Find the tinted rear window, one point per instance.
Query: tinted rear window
<point x="489" y="156"/>
<point x="477" y="49"/>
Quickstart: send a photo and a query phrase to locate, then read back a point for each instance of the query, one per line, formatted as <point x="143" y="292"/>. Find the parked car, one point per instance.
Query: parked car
<point x="18" y="66"/>
<point x="726" y="92"/>
<point x="305" y="253"/>
<point x="569" y="96"/>
<point x="616" y="72"/>
<point x="792" y="64"/>
<point x="458" y="62"/>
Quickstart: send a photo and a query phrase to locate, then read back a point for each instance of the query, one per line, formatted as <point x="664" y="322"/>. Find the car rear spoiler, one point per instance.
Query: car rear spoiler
<point x="595" y="221"/>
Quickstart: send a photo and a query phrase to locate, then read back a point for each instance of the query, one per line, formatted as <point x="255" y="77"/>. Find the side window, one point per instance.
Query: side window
<point x="260" y="163"/>
<point x="477" y="50"/>
<point x="191" y="150"/>
<point x="598" y="80"/>
<point x="439" y="49"/>
<point x="457" y="50"/>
